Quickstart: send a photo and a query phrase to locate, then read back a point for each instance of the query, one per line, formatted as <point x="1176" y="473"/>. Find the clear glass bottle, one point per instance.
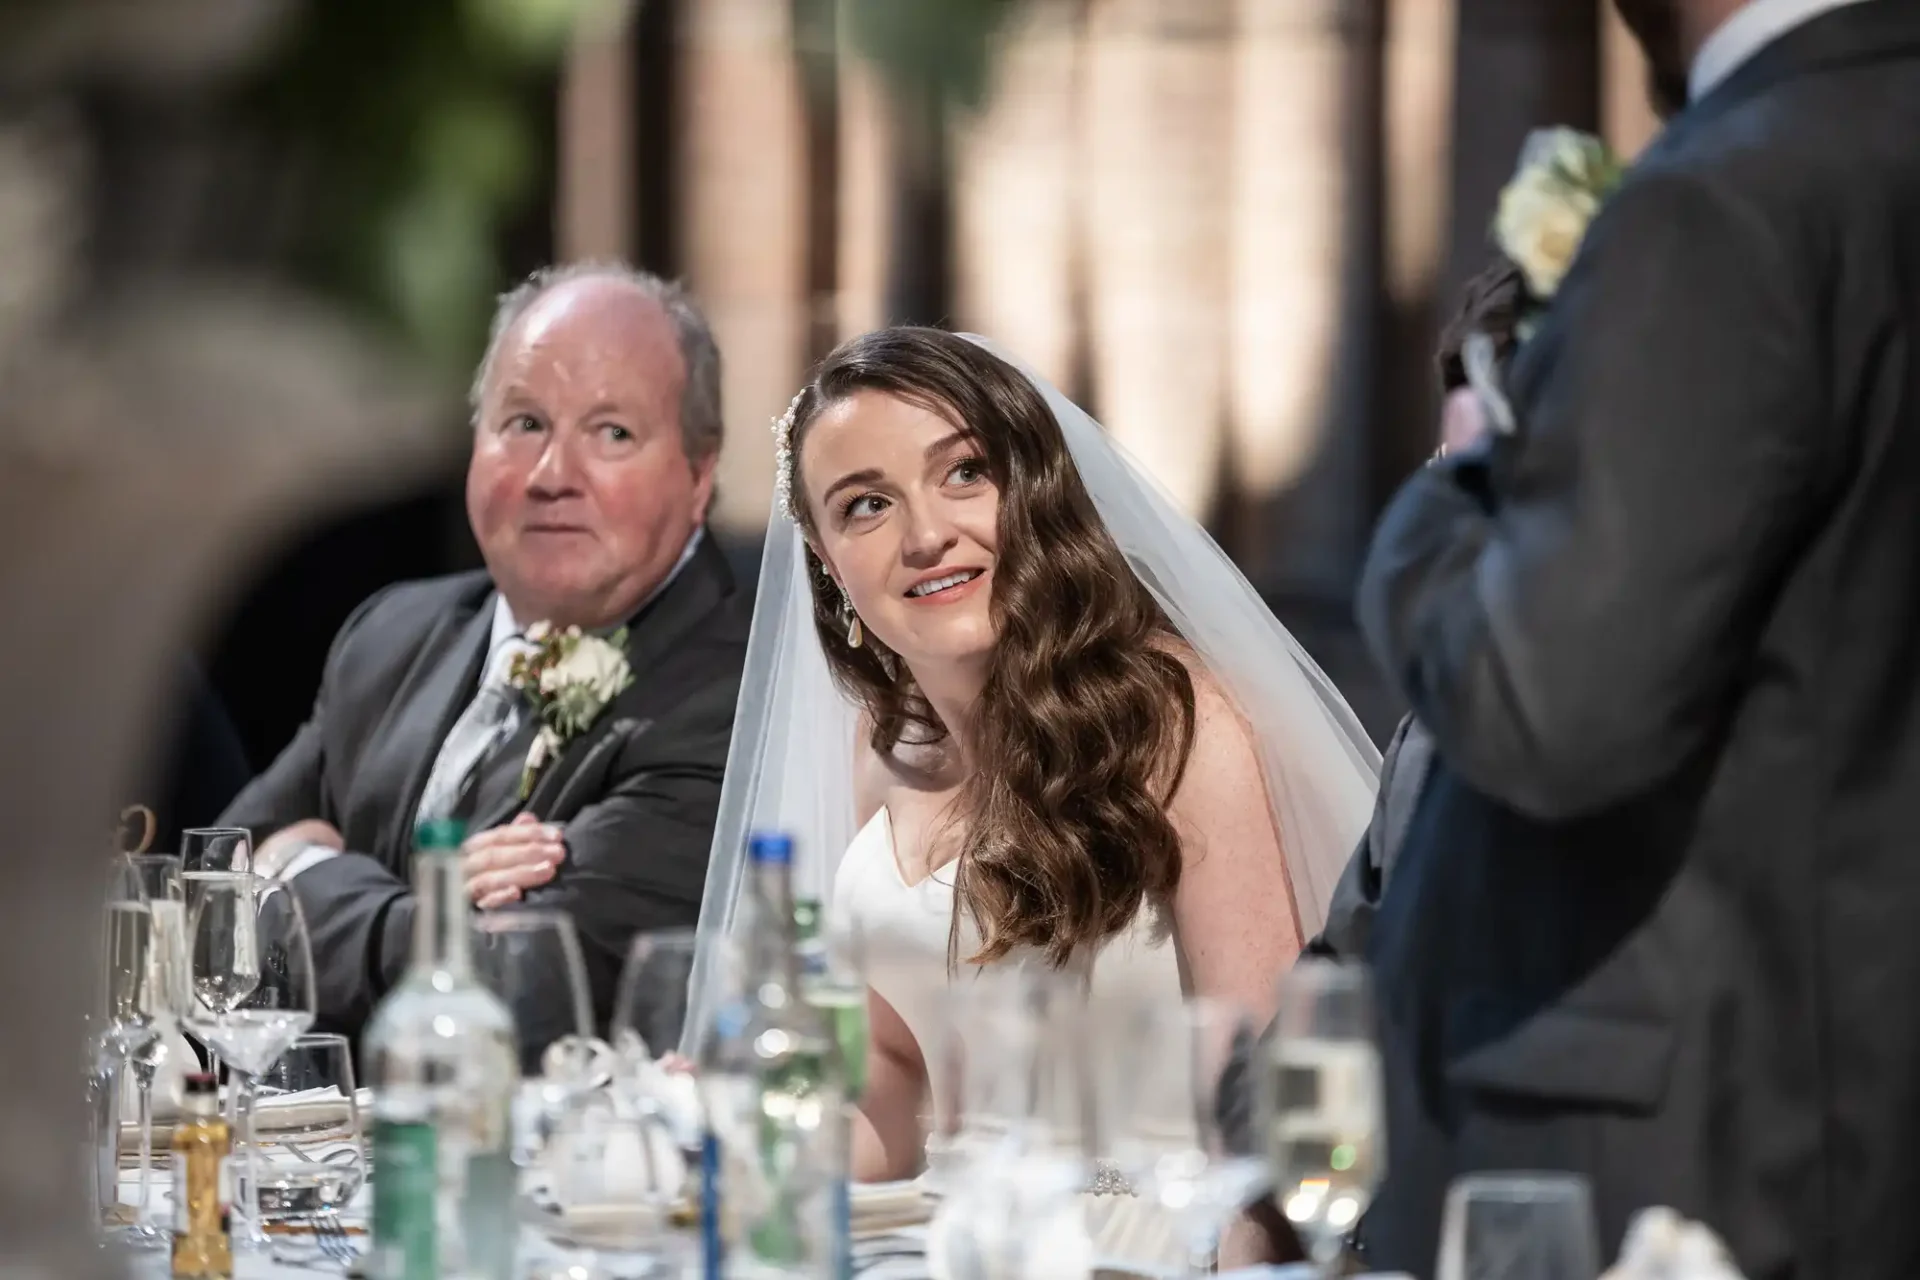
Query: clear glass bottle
<point x="773" y="1088"/>
<point x="202" y="1185"/>
<point x="444" y="1066"/>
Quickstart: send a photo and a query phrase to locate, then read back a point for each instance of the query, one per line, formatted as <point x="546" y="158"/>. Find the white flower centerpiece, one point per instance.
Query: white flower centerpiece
<point x="568" y="677"/>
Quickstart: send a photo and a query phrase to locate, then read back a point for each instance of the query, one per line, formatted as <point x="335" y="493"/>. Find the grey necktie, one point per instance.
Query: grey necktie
<point x="489" y="721"/>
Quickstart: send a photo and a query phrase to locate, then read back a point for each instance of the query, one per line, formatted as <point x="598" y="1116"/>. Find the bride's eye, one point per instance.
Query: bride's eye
<point x="967" y="471"/>
<point x="863" y="504"/>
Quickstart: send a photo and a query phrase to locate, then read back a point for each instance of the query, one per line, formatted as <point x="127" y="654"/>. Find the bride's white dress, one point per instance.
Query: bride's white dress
<point x="904" y="930"/>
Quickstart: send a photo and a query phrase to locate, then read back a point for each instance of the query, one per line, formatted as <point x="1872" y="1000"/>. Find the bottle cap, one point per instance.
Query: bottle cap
<point x="439" y="834"/>
<point x="770" y="848"/>
<point x="201" y="1082"/>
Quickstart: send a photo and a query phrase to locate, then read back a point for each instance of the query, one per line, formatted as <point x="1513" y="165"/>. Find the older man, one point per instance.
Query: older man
<point x="596" y="427"/>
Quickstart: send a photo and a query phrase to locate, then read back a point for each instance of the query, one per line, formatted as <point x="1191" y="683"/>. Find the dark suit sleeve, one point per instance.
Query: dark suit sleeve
<point x="1583" y="635"/>
<point x="1356" y="897"/>
<point x="293" y="787"/>
<point x="637" y="854"/>
<point x="637" y="848"/>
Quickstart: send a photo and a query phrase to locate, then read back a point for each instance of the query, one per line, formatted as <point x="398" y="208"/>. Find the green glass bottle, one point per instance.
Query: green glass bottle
<point x="444" y="1066"/>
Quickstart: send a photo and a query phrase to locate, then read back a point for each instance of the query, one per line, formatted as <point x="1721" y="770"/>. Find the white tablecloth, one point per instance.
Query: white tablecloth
<point x="538" y="1258"/>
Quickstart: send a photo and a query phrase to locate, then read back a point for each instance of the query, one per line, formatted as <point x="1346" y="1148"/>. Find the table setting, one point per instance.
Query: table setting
<point x="1056" y="1162"/>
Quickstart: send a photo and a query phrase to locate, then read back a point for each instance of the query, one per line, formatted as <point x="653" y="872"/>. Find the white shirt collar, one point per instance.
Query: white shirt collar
<point x="506" y="626"/>
<point x="1752" y="28"/>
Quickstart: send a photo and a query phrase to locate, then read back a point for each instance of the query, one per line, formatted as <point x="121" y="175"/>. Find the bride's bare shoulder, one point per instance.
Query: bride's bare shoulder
<point x="1218" y="725"/>
<point x="1225" y="757"/>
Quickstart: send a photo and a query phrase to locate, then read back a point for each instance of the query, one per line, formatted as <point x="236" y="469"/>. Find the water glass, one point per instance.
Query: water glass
<point x="312" y="1144"/>
<point x="216" y="849"/>
<point x="1321" y="1100"/>
<point x="1519" y="1226"/>
<point x="1168" y="1137"/>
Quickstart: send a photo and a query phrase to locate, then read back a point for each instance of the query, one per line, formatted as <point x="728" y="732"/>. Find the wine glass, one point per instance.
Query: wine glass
<point x="1168" y="1138"/>
<point x="1519" y="1226"/>
<point x="207" y="854"/>
<point x="649" y="1017"/>
<point x="252" y="970"/>
<point x="165" y="995"/>
<point x="313" y="1151"/>
<point x="1321" y="1100"/>
<point x="650" y="1004"/>
<point x="520" y="956"/>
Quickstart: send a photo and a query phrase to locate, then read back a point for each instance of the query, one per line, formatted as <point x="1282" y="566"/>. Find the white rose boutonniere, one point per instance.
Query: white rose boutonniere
<point x="1563" y="178"/>
<point x="569" y="677"/>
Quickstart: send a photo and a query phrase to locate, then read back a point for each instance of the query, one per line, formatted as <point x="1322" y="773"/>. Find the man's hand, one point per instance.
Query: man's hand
<point x="502" y="862"/>
<point x="273" y="852"/>
<point x="1463" y="420"/>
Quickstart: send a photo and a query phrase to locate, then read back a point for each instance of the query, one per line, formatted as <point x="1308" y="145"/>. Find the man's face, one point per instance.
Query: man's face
<point x="1659" y="27"/>
<point x="580" y="491"/>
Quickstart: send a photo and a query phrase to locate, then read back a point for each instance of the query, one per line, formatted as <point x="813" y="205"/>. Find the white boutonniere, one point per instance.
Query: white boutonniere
<point x="569" y="678"/>
<point x="1563" y="178"/>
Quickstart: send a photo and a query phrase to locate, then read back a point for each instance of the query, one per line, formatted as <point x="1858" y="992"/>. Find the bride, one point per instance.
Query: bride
<point x="1015" y="708"/>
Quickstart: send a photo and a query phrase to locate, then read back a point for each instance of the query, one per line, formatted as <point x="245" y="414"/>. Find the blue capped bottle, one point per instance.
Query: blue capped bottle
<point x="774" y="1093"/>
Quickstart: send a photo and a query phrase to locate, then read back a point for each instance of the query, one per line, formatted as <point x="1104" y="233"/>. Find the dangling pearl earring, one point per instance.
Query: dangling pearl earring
<point x="854" y="633"/>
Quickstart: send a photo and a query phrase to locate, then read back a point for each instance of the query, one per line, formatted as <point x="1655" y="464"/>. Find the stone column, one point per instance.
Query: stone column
<point x="1419" y="150"/>
<point x="1304" y="281"/>
<point x="1017" y="184"/>
<point x="1158" y="121"/>
<point x="1520" y="65"/>
<point x="594" y="200"/>
<point x="743" y="208"/>
<point x="866" y="183"/>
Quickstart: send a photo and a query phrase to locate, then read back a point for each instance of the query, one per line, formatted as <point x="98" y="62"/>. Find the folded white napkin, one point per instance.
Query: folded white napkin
<point x="278" y="1115"/>
<point x="1661" y="1245"/>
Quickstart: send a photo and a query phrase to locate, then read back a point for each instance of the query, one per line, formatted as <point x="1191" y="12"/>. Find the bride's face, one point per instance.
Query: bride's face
<point x="906" y="518"/>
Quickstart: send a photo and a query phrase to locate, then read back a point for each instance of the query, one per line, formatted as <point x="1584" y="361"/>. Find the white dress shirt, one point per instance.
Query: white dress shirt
<point x="500" y="650"/>
<point x="1752" y="28"/>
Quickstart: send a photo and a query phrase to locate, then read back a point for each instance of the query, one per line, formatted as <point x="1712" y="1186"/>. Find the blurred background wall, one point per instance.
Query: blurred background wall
<point x="1231" y="228"/>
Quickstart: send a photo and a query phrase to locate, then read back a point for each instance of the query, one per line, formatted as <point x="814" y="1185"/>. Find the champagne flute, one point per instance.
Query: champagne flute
<point x="1322" y="1100"/>
<point x="125" y="1023"/>
<point x="1519" y="1226"/>
<point x="253" y="975"/>
<point x="165" y="995"/>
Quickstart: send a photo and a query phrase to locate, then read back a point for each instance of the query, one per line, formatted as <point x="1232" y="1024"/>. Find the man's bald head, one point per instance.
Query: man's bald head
<point x="702" y="426"/>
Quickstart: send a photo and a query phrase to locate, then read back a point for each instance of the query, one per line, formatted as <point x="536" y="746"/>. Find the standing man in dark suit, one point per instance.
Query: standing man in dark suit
<point x="596" y="428"/>
<point x="1654" y="916"/>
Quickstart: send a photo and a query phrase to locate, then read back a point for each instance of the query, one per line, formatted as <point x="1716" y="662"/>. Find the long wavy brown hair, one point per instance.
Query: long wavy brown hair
<point x="1087" y="712"/>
